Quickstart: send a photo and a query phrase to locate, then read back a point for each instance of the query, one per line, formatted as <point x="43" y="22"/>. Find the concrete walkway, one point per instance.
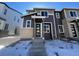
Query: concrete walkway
<point x="38" y="48"/>
<point x="5" y="41"/>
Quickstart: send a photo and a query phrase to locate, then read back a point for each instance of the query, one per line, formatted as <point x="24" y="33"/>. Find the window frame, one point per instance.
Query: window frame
<point x="60" y="29"/>
<point x="73" y="11"/>
<point x="46" y="29"/>
<point x="43" y="11"/>
<point x="6" y="27"/>
<point x="5" y="11"/>
<point x="29" y="24"/>
<point x="57" y="15"/>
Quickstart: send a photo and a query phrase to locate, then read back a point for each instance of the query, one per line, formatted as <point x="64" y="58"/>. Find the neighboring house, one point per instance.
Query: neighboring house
<point x="10" y="20"/>
<point x="48" y="23"/>
<point x="70" y="20"/>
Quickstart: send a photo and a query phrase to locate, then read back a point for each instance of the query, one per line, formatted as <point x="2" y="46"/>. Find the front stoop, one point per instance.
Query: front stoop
<point x="38" y="48"/>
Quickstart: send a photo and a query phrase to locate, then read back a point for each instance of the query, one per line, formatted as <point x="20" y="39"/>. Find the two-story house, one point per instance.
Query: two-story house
<point x="39" y="23"/>
<point x="70" y="20"/>
<point x="48" y="23"/>
<point x="10" y="20"/>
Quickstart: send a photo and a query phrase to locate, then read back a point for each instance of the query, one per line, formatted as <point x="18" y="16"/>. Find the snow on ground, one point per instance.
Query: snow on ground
<point x="19" y="49"/>
<point x="62" y="48"/>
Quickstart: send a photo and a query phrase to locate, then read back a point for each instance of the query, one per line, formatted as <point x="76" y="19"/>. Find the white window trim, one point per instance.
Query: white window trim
<point x="73" y="11"/>
<point x="44" y="11"/>
<point x="26" y="23"/>
<point x="47" y="28"/>
<point x="57" y="16"/>
<point x="62" y="28"/>
<point x="51" y="30"/>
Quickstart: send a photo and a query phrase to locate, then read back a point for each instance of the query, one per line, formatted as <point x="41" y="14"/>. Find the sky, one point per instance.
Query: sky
<point x="23" y="6"/>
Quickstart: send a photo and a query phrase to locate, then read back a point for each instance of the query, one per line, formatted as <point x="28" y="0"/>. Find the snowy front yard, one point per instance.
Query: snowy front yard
<point x="19" y="49"/>
<point x="52" y="47"/>
<point x="62" y="48"/>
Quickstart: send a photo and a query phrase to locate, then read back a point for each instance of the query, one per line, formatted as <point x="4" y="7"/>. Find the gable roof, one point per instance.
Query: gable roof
<point x="29" y="15"/>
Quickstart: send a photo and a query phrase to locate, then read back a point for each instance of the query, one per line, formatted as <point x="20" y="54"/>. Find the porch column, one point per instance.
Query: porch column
<point x="34" y="30"/>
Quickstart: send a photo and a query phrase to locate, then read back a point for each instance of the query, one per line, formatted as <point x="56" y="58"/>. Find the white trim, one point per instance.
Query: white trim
<point x="65" y="13"/>
<point x="26" y="23"/>
<point x="38" y="16"/>
<point x="44" y="11"/>
<point x="73" y="11"/>
<point x="55" y="26"/>
<point x="40" y="27"/>
<point x="47" y="28"/>
<point x="51" y="27"/>
<point x="62" y="28"/>
<point x="57" y="15"/>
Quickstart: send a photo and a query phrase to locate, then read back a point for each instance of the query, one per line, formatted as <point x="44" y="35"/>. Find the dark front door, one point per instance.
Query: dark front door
<point x="38" y="30"/>
<point x="47" y="31"/>
<point x="73" y="30"/>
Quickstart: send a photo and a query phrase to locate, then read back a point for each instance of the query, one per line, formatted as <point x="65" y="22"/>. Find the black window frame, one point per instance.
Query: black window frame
<point x="5" y="11"/>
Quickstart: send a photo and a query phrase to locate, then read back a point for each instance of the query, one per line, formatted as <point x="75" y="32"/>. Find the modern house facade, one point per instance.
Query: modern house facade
<point x="49" y="24"/>
<point x="10" y="20"/>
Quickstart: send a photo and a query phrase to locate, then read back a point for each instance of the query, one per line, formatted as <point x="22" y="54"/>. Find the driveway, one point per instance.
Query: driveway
<point x="5" y="41"/>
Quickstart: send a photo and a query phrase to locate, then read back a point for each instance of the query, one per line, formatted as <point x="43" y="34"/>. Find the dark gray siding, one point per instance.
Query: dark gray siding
<point x="28" y="18"/>
<point x="51" y="19"/>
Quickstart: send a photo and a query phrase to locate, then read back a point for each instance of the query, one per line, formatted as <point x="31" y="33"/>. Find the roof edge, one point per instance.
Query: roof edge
<point x="10" y="7"/>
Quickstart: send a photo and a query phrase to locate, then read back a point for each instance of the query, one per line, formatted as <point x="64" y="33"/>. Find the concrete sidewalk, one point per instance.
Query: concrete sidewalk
<point x="38" y="48"/>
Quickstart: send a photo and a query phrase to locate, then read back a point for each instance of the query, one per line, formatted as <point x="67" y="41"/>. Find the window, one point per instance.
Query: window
<point x="28" y="23"/>
<point x="5" y="11"/>
<point x="6" y="26"/>
<point x="57" y="15"/>
<point x="14" y="18"/>
<point x="46" y="28"/>
<point x="24" y="23"/>
<point x="72" y="13"/>
<point x="0" y="23"/>
<point x="18" y="20"/>
<point x="44" y="13"/>
<point x="61" y="28"/>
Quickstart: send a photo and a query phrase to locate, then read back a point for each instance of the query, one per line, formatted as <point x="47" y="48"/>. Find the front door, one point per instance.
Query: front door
<point x="38" y="30"/>
<point x="73" y="30"/>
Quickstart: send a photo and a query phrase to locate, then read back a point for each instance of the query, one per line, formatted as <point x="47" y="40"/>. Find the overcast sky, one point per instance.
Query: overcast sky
<point x="23" y="6"/>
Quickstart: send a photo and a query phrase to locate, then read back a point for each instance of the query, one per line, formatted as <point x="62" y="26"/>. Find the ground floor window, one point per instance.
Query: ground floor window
<point x="6" y="26"/>
<point x="46" y="28"/>
<point x="61" y="28"/>
<point x="28" y="23"/>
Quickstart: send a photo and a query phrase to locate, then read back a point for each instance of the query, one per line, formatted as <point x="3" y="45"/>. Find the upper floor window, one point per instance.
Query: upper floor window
<point x="5" y="11"/>
<point x="61" y="28"/>
<point x="44" y="13"/>
<point x="72" y="13"/>
<point x="57" y="15"/>
<point x="14" y="18"/>
<point x="28" y="23"/>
